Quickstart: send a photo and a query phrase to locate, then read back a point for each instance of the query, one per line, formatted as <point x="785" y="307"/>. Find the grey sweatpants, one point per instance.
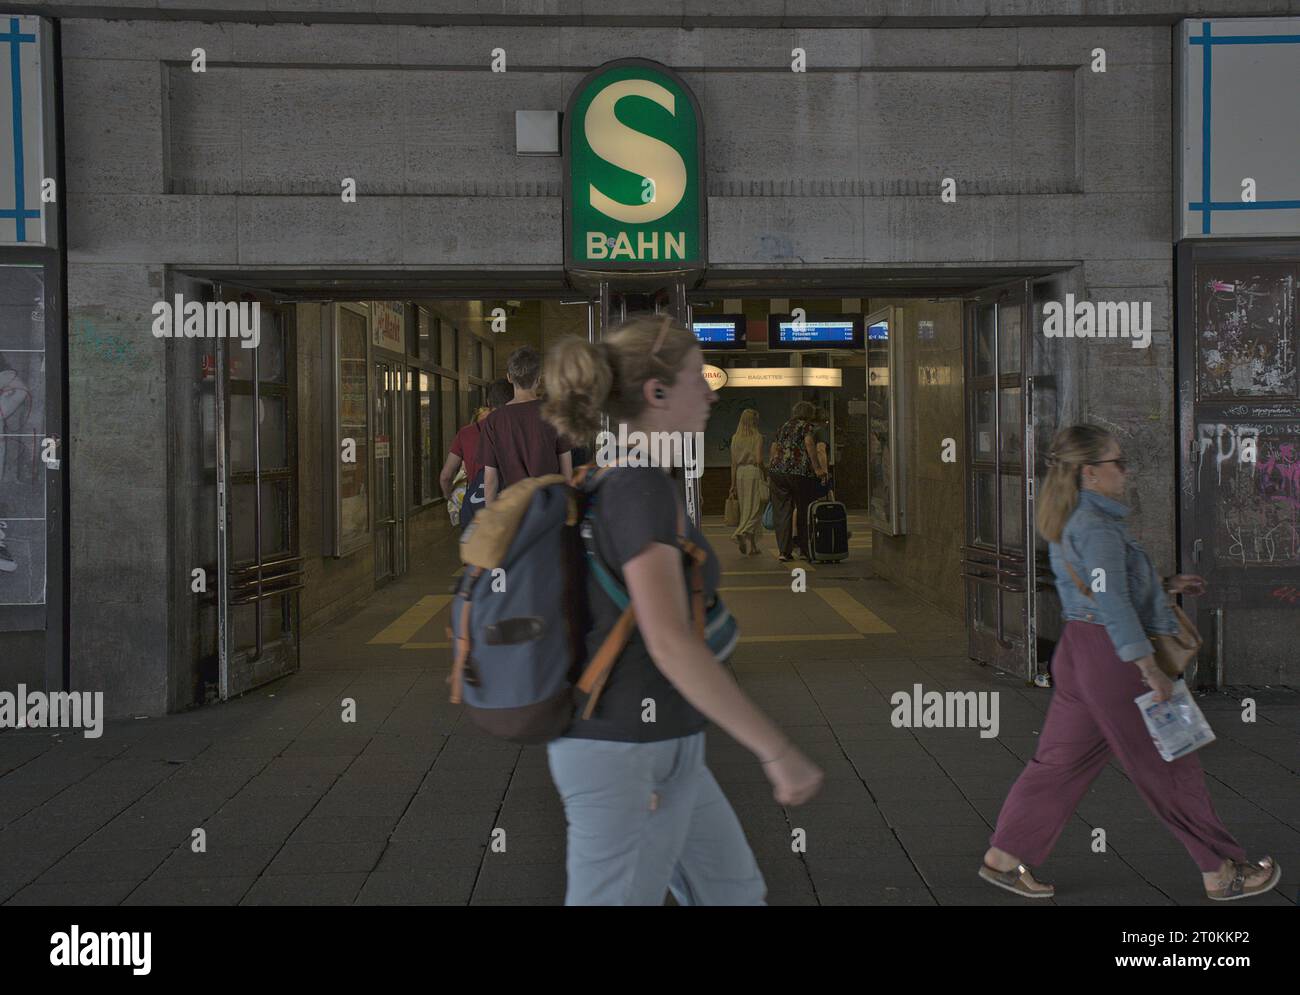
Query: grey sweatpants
<point x="646" y="818"/>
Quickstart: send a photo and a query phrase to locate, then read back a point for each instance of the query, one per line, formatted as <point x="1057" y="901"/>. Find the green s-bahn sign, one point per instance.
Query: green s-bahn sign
<point x="633" y="171"/>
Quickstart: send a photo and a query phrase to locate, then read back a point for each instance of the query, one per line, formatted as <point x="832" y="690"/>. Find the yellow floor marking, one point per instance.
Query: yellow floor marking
<point x="426" y="646"/>
<point x="758" y="587"/>
<point x="751" y="573"/>
<point x="802" y="564"/>
<point x="853" y="611"/>
<point x="412" y="620"/>
<point x="820" y="637"/>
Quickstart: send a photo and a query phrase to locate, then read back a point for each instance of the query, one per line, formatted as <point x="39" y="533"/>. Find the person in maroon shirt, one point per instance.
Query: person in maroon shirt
<point x="515" y="442"/>
<point x="464" y="448"/>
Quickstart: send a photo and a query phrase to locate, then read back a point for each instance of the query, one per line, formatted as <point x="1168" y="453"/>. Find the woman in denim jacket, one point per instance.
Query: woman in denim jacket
<point x="1102" y="663"/>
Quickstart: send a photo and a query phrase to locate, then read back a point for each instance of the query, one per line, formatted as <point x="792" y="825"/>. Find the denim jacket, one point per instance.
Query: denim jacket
<point x="1133" y="602"/>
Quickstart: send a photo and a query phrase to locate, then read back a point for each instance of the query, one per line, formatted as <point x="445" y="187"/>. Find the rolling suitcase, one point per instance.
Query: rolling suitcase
<point x="828" y="530"/>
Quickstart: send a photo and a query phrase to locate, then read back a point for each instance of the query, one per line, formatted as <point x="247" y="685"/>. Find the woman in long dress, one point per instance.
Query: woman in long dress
<point x="748" y="476"/>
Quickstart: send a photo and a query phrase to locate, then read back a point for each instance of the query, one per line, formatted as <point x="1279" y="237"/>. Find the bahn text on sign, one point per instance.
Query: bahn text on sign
<point x="634" y="171"/>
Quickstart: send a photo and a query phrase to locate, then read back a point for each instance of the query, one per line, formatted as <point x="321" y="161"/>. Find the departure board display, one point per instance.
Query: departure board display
<point x="814" y="332"/>
<point x="720" y="331"/>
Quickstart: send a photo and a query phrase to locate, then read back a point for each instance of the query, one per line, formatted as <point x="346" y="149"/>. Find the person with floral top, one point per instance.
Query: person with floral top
<point x="793" y="477"/>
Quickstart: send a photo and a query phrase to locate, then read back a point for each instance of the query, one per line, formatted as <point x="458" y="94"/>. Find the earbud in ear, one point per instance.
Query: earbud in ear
<point x="659" y="393"/>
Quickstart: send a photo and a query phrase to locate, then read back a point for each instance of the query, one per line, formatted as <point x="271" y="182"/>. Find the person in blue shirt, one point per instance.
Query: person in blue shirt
<point x="1103" y="662"/>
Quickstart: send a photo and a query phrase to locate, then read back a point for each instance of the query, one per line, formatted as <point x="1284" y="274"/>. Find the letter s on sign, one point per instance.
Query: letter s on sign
<point x="634" y="151"/>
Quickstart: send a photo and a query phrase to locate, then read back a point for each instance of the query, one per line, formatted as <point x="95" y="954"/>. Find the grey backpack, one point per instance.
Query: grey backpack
<point x="519" y="620"/>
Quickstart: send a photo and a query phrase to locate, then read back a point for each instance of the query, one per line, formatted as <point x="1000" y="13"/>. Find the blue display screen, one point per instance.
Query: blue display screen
<point x="811" y="332"/>
<point x="879" y="331"/>
<point x="720" y="331"/>
<point x="716" y="332"/>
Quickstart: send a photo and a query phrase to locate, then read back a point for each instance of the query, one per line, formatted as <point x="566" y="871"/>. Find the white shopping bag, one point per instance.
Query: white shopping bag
<point x="1177" y="726"/>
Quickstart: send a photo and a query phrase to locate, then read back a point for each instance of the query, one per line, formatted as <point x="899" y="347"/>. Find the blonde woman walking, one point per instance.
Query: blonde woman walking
<point x="748" y="480"/>
<point x="645" y="815"/>
<point x="1102" y="663"/>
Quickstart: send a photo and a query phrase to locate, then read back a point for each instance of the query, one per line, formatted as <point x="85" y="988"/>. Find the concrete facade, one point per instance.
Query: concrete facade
<point x="1058" y="168"/>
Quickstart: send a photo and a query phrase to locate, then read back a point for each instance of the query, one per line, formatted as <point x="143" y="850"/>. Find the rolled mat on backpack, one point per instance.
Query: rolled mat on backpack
<point x="493" y="529"/>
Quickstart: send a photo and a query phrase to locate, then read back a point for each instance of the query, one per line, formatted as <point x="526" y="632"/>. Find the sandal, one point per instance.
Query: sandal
<point x="1237" y="887"/>
<point x="1017" y="880"/>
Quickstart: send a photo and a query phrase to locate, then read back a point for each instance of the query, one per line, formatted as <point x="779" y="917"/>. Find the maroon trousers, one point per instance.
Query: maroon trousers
<point x="1092" y="716"/>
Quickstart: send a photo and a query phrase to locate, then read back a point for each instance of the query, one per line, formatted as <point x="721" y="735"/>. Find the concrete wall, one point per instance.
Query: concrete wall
<point x="679" y="13"/>
<point x="22" y="660"/>
<point x="118" y="464"/>
<point x="839" y="167"/>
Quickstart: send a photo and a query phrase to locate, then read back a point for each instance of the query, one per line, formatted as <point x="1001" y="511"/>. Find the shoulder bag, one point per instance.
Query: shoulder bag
<point x="1173" y="652"/>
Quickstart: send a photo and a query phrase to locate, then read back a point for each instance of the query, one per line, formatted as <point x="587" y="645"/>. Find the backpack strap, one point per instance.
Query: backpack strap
<point x="1083" y="588"/>
<point x="597" y="671"/>
<point x="584" y="474"/>
<point x="593" y="679"/>
<point x="460" y="661"/>
<point x="1077" y="582"/>
<point x="602" y="663"/>
<point x="697" y="557"/>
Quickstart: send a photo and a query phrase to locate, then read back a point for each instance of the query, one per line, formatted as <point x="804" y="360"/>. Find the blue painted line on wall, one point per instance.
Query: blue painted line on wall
<point x="20" y="212"/>
<point x="1205" y="205"/>
<point x="1233" y="205"/>
<point x="1246" y="39"/>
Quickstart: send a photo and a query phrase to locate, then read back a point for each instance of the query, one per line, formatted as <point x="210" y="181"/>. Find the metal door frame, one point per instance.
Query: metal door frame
<point x="396" y="522"/>
<point x="605" y="312"/>
<point x="263" y="579"/>
<point x="1008" y="571"/>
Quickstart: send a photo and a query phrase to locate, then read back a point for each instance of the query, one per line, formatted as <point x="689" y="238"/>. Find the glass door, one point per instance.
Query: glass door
<point x="260" y="571"/>
<point x="390" y="511"/>
<point x="997" y="556"/>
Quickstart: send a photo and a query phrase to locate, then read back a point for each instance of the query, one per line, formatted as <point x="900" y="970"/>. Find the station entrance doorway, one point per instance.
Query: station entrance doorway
<point x="306" y="528"/>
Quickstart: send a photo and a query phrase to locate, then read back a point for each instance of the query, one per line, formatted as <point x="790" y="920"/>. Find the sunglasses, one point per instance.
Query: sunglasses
<point x="1120" y="464"/>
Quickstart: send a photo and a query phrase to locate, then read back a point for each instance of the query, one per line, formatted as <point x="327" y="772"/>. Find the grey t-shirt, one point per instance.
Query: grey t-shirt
<point x="636" y="506"/>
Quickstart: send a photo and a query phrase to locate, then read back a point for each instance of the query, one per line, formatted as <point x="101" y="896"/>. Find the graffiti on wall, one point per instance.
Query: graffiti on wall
<point x="1256" y="502"/>
<point x="1245" y="332"/>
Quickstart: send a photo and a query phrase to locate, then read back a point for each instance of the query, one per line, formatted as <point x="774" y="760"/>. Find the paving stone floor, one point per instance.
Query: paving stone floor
<point x="299" y="807"/>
